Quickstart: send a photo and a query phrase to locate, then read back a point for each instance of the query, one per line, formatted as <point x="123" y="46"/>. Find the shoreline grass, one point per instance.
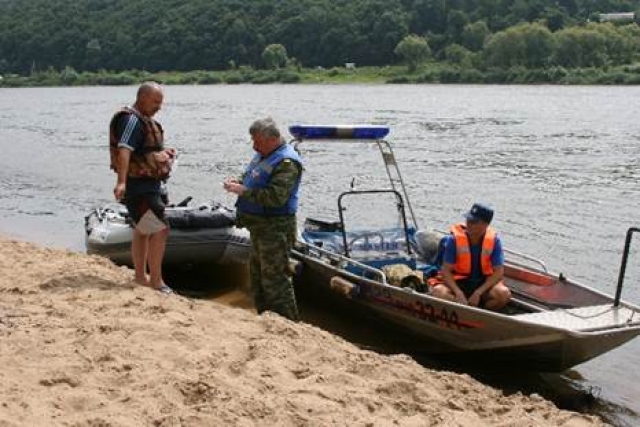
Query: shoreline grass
<point x="428" y="73"/>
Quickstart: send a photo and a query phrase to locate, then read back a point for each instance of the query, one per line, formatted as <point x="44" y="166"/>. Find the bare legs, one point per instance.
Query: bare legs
<point x="494" y="299"/>
<point x="148" y="250"/>
<point x="499" y="296"/>
<point x="139" y="250"/>
<point x="157" y="243"/>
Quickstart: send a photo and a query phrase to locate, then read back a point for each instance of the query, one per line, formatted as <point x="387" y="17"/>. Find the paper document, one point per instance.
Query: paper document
<point x="150" y="223"/>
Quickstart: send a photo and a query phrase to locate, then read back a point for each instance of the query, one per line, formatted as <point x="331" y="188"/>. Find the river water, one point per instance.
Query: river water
<point x="560" y="165"/>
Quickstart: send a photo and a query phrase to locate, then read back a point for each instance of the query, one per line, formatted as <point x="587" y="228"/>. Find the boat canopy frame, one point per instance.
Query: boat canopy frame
<point x="363" y="134"/>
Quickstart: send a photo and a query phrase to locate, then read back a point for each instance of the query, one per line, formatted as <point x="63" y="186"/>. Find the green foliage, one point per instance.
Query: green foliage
<point x="287" y="76"/>
<point x="413" y="50"/>
<point x="274" y="56"/>
<point x="456" y="21"/>
<point x="430" y="73"/>
<point x="234" y="78"/>
<point x="616" y="78"/>
<point x="529" y="45"/>
<point x="226" y="41"/>
<point x="471" y="76"/>
<point x="460" y="55"/>
<point x="503" y="50"/>
<point x="474" y="35"/>
<point x="555" y="19"/>
<point x="335" y="71"/>
<point x="208" y="78"/>
<point x="596" y="45"/>
<point x="262" y="77"/>
<point x="450" y="75"/>
<point x="69" y="76"/>
<point x="399" y="80"/>
<point x="119" y="79"/>
<point x="429" y="76"/>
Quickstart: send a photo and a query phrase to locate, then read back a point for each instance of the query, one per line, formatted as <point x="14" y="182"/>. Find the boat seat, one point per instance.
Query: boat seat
<point x="556" y="295"/>
<point x="584" y="319"/>
<point x="428" y="245"/>
<point x="363" y="243"/>
<point x="312" y="224"/>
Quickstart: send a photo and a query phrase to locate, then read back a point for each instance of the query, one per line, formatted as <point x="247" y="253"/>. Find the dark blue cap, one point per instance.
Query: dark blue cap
<point x="480" y="212"/>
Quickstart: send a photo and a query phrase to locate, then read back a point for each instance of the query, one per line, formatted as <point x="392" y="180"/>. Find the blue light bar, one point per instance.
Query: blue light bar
<point x="339" y="131"/>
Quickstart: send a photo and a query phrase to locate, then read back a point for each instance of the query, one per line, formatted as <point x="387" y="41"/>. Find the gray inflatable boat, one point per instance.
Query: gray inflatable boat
<point x="204" y="234"/>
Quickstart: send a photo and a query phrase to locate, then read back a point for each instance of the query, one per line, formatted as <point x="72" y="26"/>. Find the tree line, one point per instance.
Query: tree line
<point x="179" y="35"/>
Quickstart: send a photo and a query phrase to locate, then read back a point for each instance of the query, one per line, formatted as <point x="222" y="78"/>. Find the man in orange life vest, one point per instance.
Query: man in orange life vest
<point x="473" y="263"/>
<point x="142" y="163"/>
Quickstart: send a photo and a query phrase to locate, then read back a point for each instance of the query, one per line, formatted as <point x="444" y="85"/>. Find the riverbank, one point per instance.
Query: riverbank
<point x="445" y="73"/>
<point x="82" y="345"/>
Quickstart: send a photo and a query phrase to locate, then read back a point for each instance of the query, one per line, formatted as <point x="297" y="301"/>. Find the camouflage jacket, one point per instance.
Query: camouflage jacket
<point x="283" y="180"/>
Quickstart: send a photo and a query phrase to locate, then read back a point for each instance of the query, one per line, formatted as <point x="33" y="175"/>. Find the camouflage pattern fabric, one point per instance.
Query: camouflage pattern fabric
<point x="269" y="270"/>
<point x="271" y="240"/>
<point x="402" y="276"/>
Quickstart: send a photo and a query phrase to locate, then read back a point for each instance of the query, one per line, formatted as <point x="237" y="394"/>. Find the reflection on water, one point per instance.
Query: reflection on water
<point x="559" y="164"/>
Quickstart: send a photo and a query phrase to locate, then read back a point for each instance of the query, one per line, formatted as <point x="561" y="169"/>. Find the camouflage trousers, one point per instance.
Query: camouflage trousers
<point x="269" y="271"/>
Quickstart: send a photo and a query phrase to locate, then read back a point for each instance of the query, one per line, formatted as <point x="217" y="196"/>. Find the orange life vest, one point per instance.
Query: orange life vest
<point x="462" y="267"/>
<point x="155" y="161"/>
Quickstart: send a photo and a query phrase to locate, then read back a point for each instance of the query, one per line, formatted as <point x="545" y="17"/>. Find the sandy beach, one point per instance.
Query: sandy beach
<point x="83" y="346"/>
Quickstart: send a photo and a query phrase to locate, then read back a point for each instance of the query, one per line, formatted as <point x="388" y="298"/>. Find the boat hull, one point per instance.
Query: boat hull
<point x="226" y="246"/>
<point x="108" y="234"/>
<point x="438" y="327"/>
<point x="550" y="323"/>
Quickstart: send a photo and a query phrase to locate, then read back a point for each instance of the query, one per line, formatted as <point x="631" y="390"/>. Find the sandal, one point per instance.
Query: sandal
<point x="164" y="289"/>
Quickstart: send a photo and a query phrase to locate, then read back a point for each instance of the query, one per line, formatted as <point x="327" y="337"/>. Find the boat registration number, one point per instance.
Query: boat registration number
<point x="422" y="310"/>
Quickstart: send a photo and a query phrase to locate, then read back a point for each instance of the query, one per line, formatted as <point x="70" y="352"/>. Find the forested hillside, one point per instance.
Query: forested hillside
<point x="152" y="35"/>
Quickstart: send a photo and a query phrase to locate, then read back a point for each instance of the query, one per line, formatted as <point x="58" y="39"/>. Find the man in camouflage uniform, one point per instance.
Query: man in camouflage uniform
<point x="266" y="206"/>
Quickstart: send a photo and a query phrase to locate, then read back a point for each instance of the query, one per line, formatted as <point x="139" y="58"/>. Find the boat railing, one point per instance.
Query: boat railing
<point x="526" y="258"/>
<point x="394" y="175"/>
<point x="623" y="263"/>
<point x="341" y="261"/>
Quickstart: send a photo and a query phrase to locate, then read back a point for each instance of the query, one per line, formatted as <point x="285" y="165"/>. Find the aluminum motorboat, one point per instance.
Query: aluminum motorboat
<point x="550" y="324"/>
